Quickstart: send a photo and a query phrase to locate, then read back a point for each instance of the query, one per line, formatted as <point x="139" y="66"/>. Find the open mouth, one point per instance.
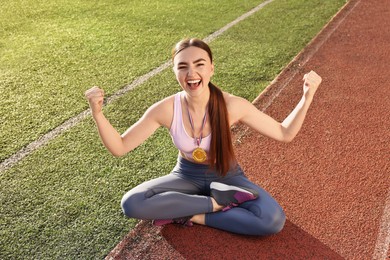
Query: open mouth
<point x="194" y="83"/>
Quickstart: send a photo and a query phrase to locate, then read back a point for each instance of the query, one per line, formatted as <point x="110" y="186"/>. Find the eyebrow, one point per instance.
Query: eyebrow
<point x="185" y="63"/>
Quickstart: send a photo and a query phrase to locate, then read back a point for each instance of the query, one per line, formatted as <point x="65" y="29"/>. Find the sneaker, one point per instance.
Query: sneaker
<point x="184" y="221"/>
<point x="231" y="196"/>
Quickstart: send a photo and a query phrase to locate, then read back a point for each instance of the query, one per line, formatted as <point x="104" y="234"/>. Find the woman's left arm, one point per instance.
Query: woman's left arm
<point x="289" y="128"/>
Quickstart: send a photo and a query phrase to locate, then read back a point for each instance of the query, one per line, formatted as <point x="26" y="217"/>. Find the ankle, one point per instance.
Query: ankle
<point x="199" y="219"/>
<point x="216" y="206"/>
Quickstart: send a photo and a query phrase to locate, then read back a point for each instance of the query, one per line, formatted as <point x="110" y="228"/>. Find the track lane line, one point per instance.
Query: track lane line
<point x="383" y="240"/>
<point x="296" y="64"/>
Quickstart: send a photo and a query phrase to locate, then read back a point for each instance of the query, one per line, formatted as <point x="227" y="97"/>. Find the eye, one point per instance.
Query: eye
<point x="200" y="64"/>
<point x="181" y="67"/>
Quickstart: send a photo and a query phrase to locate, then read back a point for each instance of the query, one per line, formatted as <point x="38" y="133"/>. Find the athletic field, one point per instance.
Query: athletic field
<point x="59" y="188"/>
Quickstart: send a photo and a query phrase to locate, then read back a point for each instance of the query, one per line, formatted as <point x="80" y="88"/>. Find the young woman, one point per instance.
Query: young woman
<point x="207" y="186"/>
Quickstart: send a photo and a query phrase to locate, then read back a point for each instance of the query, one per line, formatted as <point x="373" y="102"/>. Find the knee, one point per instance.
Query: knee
<point x="271" y="220"/>
<point x="128" y="205"/>
<point x="276" y="222"/>
<point x="279" y="222"/>
<point x="269" y="223"/>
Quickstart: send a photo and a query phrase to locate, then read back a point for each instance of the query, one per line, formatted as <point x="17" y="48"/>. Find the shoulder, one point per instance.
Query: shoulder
<point x="162" y="111"/>
<point x="236" y="106"/>
<point x="165" y="103"/>
<point x="232" y="100"/>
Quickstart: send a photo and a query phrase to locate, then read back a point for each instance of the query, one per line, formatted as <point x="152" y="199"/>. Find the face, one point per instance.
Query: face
<point x="193" y="70"/>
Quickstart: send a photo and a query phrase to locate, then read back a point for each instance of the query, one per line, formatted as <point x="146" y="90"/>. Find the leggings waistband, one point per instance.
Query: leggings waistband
<point x="191" y="169"/>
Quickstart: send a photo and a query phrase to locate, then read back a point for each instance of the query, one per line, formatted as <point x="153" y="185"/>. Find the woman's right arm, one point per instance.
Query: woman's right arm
<point x="118" y="144"/>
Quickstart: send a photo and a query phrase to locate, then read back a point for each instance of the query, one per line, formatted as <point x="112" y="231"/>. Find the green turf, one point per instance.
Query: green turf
<point x="63" y="200"/>
<point x="51" y="51"/>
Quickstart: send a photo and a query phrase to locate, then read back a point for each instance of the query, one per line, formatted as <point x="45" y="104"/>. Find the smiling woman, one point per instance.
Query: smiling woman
<point x="207" y="185"/>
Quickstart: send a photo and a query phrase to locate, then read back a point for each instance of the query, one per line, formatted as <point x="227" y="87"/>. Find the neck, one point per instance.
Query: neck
<point x="198" y="103"/>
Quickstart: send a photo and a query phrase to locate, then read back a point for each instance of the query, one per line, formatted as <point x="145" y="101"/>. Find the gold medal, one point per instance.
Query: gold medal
<point x="199" y="155"/>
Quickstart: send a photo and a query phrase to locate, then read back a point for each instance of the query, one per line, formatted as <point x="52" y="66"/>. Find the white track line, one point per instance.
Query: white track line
<point x="214" y="35"/>
<point x="315" y="48"/>
<point x="295" y="70"/>
<point x="383" y="240"/>
<point x="15" y="158"/>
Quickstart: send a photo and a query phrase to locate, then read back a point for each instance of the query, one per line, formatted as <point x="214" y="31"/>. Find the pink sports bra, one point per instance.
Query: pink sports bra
<point x="182" y="140"/>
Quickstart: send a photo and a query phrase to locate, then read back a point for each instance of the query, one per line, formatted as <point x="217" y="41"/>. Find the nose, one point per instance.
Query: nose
<point x="191" y="72"/>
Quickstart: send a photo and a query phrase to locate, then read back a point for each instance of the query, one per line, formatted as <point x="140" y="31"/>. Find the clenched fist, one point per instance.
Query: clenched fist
<point x="95" y="97"/>
<point x="311" y="82"/>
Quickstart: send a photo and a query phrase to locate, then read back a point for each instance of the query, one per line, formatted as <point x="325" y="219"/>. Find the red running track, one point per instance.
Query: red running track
<point x="333" y="180"/>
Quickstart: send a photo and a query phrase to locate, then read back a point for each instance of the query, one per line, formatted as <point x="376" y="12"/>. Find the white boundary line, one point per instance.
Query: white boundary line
<point x="316" y="47"/>
<point x="15" y="158"/>
<point x="216" y="34"/>
<point x="383" y="240"/>
<point x="295" y="70"/>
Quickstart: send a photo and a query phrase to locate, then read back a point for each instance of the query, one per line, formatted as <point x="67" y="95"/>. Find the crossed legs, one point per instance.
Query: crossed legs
<point x="173" y="196"/>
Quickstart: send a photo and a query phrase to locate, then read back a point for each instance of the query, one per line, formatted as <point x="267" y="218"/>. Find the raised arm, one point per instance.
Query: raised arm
<point x="118" y="144"/>
<point x="289" y="128"/>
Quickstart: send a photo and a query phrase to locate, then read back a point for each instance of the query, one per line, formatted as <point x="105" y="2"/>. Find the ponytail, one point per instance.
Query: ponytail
<point x="221" y="153"/>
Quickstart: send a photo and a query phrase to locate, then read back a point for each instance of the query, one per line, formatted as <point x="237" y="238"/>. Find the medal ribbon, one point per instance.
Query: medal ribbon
<point x="198" y="140"/>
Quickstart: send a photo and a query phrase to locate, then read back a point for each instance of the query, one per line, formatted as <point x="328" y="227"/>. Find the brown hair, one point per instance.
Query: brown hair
<point x="221" y="148"/>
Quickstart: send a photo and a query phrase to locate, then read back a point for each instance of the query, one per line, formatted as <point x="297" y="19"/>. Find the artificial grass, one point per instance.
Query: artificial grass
<point x="63" y="200"/>
<point x="52" y="51"/>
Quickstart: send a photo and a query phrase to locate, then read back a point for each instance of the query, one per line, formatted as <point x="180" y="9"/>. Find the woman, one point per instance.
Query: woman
<point x="207" y="186"/>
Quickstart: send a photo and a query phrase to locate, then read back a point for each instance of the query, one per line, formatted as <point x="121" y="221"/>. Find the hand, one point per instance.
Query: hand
<point x="95" y="97"/>
<point x="311" y="82"/>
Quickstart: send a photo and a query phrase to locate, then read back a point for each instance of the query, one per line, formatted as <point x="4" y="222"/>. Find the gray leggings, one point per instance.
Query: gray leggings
<point x="186" y="192"/>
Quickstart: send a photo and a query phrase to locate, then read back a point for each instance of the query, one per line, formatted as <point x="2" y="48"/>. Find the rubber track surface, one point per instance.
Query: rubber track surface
<point x="333" y="179"/>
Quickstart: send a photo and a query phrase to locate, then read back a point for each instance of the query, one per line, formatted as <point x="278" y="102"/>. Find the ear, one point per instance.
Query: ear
<point x="212" y="69"/>
<point x="174" y="69"/>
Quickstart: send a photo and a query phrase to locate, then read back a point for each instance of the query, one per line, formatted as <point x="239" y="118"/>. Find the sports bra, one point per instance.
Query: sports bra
<point x="181" y="139"/>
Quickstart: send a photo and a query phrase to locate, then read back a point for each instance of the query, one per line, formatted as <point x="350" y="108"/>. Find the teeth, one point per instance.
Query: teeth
<point x="193" y="81"/>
